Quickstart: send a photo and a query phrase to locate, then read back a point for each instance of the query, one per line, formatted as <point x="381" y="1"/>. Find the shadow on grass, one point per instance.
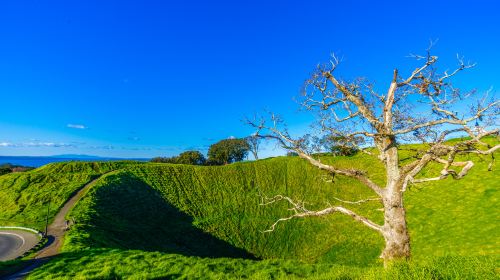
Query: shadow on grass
<point x="20" y="268"/>
<point x="121" y="264"/>
<point x="127" y="213"/>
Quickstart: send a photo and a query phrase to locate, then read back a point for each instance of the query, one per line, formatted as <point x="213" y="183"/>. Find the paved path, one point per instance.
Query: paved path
<point x="55" y="234"/>
<point x="14" y="243"/>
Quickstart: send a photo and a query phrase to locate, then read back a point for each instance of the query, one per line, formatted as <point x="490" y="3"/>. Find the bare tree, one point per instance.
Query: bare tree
<point x="254" y="143"/>
<point x="423" y="107"/>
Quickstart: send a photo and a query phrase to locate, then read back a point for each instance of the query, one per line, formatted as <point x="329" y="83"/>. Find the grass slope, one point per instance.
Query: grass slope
<point x="134" y="264"/>
<point x="224" y="202"/>
<point x="25" y="196"/>
<point x="205" y="222"/>
<point x="123" y="212"/>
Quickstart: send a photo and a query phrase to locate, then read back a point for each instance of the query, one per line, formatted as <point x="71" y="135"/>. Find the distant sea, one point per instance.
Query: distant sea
<point x="39" y="161"/>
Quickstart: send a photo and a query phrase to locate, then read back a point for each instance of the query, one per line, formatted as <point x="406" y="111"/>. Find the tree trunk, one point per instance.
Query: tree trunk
<point x="255" y="155"/>
<point x="395" y="231"/>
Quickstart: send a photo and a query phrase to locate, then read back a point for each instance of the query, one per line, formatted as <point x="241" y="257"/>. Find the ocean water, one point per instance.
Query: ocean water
<point x="40" y="161"/>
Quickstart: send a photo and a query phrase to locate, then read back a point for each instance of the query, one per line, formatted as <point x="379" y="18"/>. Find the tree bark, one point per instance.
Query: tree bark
<point x="395" y="230"/>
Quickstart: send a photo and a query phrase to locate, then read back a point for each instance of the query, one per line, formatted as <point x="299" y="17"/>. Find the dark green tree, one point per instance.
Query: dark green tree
<point x="187" y="157"/>
<point x="342" y="146"/>
<point x="191" y="157"/>
<point x="228" y="151"/>
<point x="164" y="159"/>
<point x="4" y="170"/>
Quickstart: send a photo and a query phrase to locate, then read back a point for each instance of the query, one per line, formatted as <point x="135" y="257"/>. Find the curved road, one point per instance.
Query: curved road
<point x="55" y="235"/>
<point x="14" y="243"/>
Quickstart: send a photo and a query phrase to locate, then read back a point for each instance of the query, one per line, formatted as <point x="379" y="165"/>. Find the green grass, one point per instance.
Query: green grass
<point x="133" y="264"/>
<point x="178" y="221"/>
<point x="25" y="196"/>
<point x="224" y="202"/>
<point x="123" y="212"/>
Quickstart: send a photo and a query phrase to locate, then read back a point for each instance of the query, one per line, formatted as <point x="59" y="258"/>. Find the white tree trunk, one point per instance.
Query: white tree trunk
<point x="395" y="231"/>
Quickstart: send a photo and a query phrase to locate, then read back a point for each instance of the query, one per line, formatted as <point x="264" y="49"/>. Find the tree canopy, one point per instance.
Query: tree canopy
<point x="191" y="157"/>
<point x="228" y="151"/>
<point x="187" y="157"/>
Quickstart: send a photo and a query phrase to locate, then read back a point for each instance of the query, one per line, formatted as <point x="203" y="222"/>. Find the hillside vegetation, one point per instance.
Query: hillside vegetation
<point x="224" y="202"/>
<point x="162" y="220"/>
<point x="27" y="197"/>
<point x="145" y="200"/>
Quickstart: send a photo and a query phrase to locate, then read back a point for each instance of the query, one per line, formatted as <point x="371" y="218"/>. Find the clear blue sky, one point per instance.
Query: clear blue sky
<point x="148" y="78"/>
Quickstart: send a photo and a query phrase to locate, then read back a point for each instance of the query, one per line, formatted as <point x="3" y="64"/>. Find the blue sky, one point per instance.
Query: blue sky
<point x="150" y="78"/>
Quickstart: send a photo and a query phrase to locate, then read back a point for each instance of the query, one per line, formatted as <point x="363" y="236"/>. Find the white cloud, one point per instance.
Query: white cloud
<point x="77" y="126"/>
<point x="47" y="144"/>
<point x="37" y="144"/>
<point x="6" y="144"/>
<point x="103" y="147"/>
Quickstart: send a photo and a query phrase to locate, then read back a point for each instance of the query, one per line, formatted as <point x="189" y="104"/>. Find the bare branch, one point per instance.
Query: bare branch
<point x="389" y="102"/>
<point x="301" y="212"/>
<point x="462" y="66"/>
<point x="356" y="99"/>
<point x="445" y="172"/>
<point x="431" y="60"/>
<point x="439" y="150"/>
<point x="287" y="142"/>
<point x="353" y="173"/>
<point x="481" y="152"/>
<point x="359" y="201"/>
<point x="454" y="120"/>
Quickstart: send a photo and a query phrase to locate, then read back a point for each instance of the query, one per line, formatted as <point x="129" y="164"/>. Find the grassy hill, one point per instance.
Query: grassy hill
<point x="26" y="197"/>
<point x="161" y="220"/>
<point x="224" y="202"/>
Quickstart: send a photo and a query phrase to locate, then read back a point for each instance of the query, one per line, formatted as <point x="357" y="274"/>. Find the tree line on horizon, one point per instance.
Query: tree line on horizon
<point x="225" y="151"/>
<point x="10" y="168"/>
<point x="232" y="150"/>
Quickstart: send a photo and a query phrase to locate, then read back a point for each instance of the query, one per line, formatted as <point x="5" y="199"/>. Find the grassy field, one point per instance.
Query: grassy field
<point x="178" y="221"/>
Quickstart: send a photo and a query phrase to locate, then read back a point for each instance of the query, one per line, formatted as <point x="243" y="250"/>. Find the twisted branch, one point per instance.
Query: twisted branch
<point x="300" y="212"/>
